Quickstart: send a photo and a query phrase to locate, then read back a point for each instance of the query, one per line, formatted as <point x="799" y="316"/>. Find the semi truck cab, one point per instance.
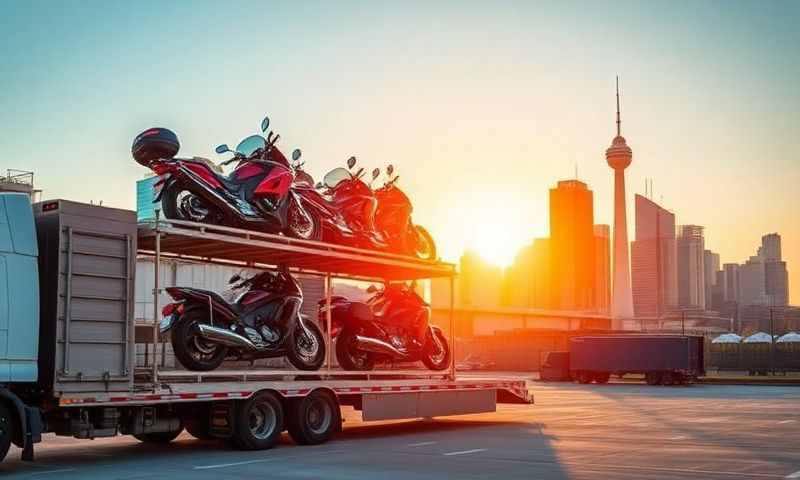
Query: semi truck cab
<point x="19" y="322"/>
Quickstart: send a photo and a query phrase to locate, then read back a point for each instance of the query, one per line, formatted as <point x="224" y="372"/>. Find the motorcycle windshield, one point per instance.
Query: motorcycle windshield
<point x="335" y="177"/>
<point x="250" y="145"/>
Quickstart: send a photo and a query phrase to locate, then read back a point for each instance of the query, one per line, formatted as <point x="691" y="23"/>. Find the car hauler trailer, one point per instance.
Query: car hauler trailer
<point x="67" y="338"/>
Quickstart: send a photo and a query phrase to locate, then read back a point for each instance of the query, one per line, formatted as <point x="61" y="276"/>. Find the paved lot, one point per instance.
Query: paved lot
<point x="619" y="431"/>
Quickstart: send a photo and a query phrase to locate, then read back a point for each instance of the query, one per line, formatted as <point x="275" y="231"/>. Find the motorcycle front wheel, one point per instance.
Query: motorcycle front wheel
<point x="350" y="357"/>
<point x="303" y="224"/>
<point x="307" y="347"/>
<point x="193" y="351"/>
<point x="436" y="353"/>
<point x="424" y="246"/>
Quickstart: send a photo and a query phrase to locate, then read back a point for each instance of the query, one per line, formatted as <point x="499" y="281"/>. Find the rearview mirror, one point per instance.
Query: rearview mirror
<point x="351" y="162"/>
<point x="390" y="170"/>
<point x="372" y="289"/>
<point x="265" y="124"/>
<point x="375" y="173"/>
<point x="296" y="154"/>
<point x="222" y="148"/>
<point x="235" y="278"/>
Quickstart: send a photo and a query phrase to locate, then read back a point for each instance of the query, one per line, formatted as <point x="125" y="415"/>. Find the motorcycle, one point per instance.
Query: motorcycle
<point x="257" y="195"/>
<point x="259" y="319"/>
<point x="347" y="194"/>
<point x="393" y="221"/>
<point x="392" y="325"/>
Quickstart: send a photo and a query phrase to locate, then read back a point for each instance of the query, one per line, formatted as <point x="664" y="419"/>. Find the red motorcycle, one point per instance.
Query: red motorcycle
<point x="347" y="194"/>
<point x="257" y="195"/>
<point x="393" y="222"/>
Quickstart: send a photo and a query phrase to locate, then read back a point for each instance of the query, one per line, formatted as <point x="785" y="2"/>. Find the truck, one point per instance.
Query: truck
<point x="663" y="359"/>
<point x="68" y="338"/>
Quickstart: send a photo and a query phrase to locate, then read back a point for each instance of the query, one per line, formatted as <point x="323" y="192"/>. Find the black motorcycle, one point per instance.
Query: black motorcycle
<point x="263" y="321"/>
<point x="393" y="325"/>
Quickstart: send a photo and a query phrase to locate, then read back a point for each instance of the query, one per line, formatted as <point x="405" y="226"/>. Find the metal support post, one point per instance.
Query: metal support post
<point x="452" y="330"/>
<point x="771" y="343"/>
<point x="156" y="292"/>
<point x="328" y="340"/>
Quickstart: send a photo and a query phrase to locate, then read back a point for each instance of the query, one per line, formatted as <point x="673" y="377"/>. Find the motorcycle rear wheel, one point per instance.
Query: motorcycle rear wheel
<point x="177" y="203"/>
<point x="194" y="352"/>
<point x="436" y="353"/>
<point x="304" y="352"/>
<point x="349" y="357"/>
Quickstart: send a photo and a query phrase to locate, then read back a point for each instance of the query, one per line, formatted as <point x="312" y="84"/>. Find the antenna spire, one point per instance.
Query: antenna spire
<point x="619" y="122"/>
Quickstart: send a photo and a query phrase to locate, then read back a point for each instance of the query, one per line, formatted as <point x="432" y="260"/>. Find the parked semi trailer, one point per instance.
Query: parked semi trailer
<point x="67" y="339"/>
<point x="662" y="359"/>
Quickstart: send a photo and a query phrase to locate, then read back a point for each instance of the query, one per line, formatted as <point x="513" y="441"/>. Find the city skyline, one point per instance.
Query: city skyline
<point x="496" y="122"/>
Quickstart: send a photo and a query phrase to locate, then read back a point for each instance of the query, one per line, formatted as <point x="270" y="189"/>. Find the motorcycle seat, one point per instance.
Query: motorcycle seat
<point x="216" y="298"/>
<point x="229" y="183"/>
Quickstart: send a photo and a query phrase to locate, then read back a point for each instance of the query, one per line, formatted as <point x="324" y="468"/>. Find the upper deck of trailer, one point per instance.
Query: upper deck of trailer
<point x="212" y="243"/>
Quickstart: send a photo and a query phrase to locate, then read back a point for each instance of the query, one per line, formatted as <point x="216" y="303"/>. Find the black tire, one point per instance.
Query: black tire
<point x="171" y="206"/>
<point x="190" y="349"/>
<point x="436" y="359"/>
<point x="307" y="352"/>
<point x="161" y="438"/>
<point x="349" y="357"/>
<point x="313" y="419"/>
<point x="667" y="378"/>
<point x="6" y="430"/>
<point x="602" y="377"/>
<point x="258" y="422"/>
<point x="653" y="378"/>
<point x="312" y="231"/>
<point x="424" y="246"/>
<point x="584" y="377"/>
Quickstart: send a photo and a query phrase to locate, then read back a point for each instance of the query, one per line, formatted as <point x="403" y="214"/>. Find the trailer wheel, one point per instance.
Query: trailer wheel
<point x="653" y="378"/>
<point x="258" y="422"/>
<point x="313" y="419"/>
<point x="602" y="377"/>
<point x="667" y="378"/>
<point x="6" y="431"/>
<point x="162" y="438"/>
<point x="584" y="377"/>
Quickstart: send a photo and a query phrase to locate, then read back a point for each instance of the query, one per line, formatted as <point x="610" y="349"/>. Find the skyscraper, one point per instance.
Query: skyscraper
<point x="653" y="263"/>
<point x="691" y="272"/>
<point x="730" y="287"/>
<point x="763" y="279"/>
<point x="710" y="266"/>
<point x="602" y="268"/>
<point x="619" y="156"/>
<point x="572" y="262"/>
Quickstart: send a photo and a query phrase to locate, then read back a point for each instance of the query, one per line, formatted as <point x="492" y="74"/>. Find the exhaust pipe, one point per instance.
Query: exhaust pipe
<point x="226" y="337"/>
<point x="374" y="345"/>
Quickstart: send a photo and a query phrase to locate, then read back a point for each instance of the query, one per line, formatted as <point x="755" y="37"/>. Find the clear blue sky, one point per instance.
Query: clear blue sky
<point x="479" y="104"/>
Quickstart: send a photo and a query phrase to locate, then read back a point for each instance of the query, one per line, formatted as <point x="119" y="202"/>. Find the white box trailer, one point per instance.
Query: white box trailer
<point x="85" y="383"/>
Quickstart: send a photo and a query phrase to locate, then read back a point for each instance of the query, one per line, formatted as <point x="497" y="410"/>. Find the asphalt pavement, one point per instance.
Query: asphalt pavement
<point x="619" y="431"/>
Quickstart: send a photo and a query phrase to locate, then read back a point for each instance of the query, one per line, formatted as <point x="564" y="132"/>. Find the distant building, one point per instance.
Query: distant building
<point x="602" y="268"/>
<point x="654" y="276"/>
<point x="572" y="262"/>
<point x="764" y="279"/>
<point x="541" y="273"/>
<point x="479" y="282"/>
<point x="711" y="266"/>
<point x="730" y="286"/>
<point x="691" y="272"/>
<point x="145" y="208"/>
<point x="518" y="280"/>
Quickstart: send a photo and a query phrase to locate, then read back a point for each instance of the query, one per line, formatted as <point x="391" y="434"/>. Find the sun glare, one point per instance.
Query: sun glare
<point x="499" y="236"/>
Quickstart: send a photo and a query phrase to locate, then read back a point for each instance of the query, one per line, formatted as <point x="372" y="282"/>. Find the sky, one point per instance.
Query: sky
<point x="480" y="106"/>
